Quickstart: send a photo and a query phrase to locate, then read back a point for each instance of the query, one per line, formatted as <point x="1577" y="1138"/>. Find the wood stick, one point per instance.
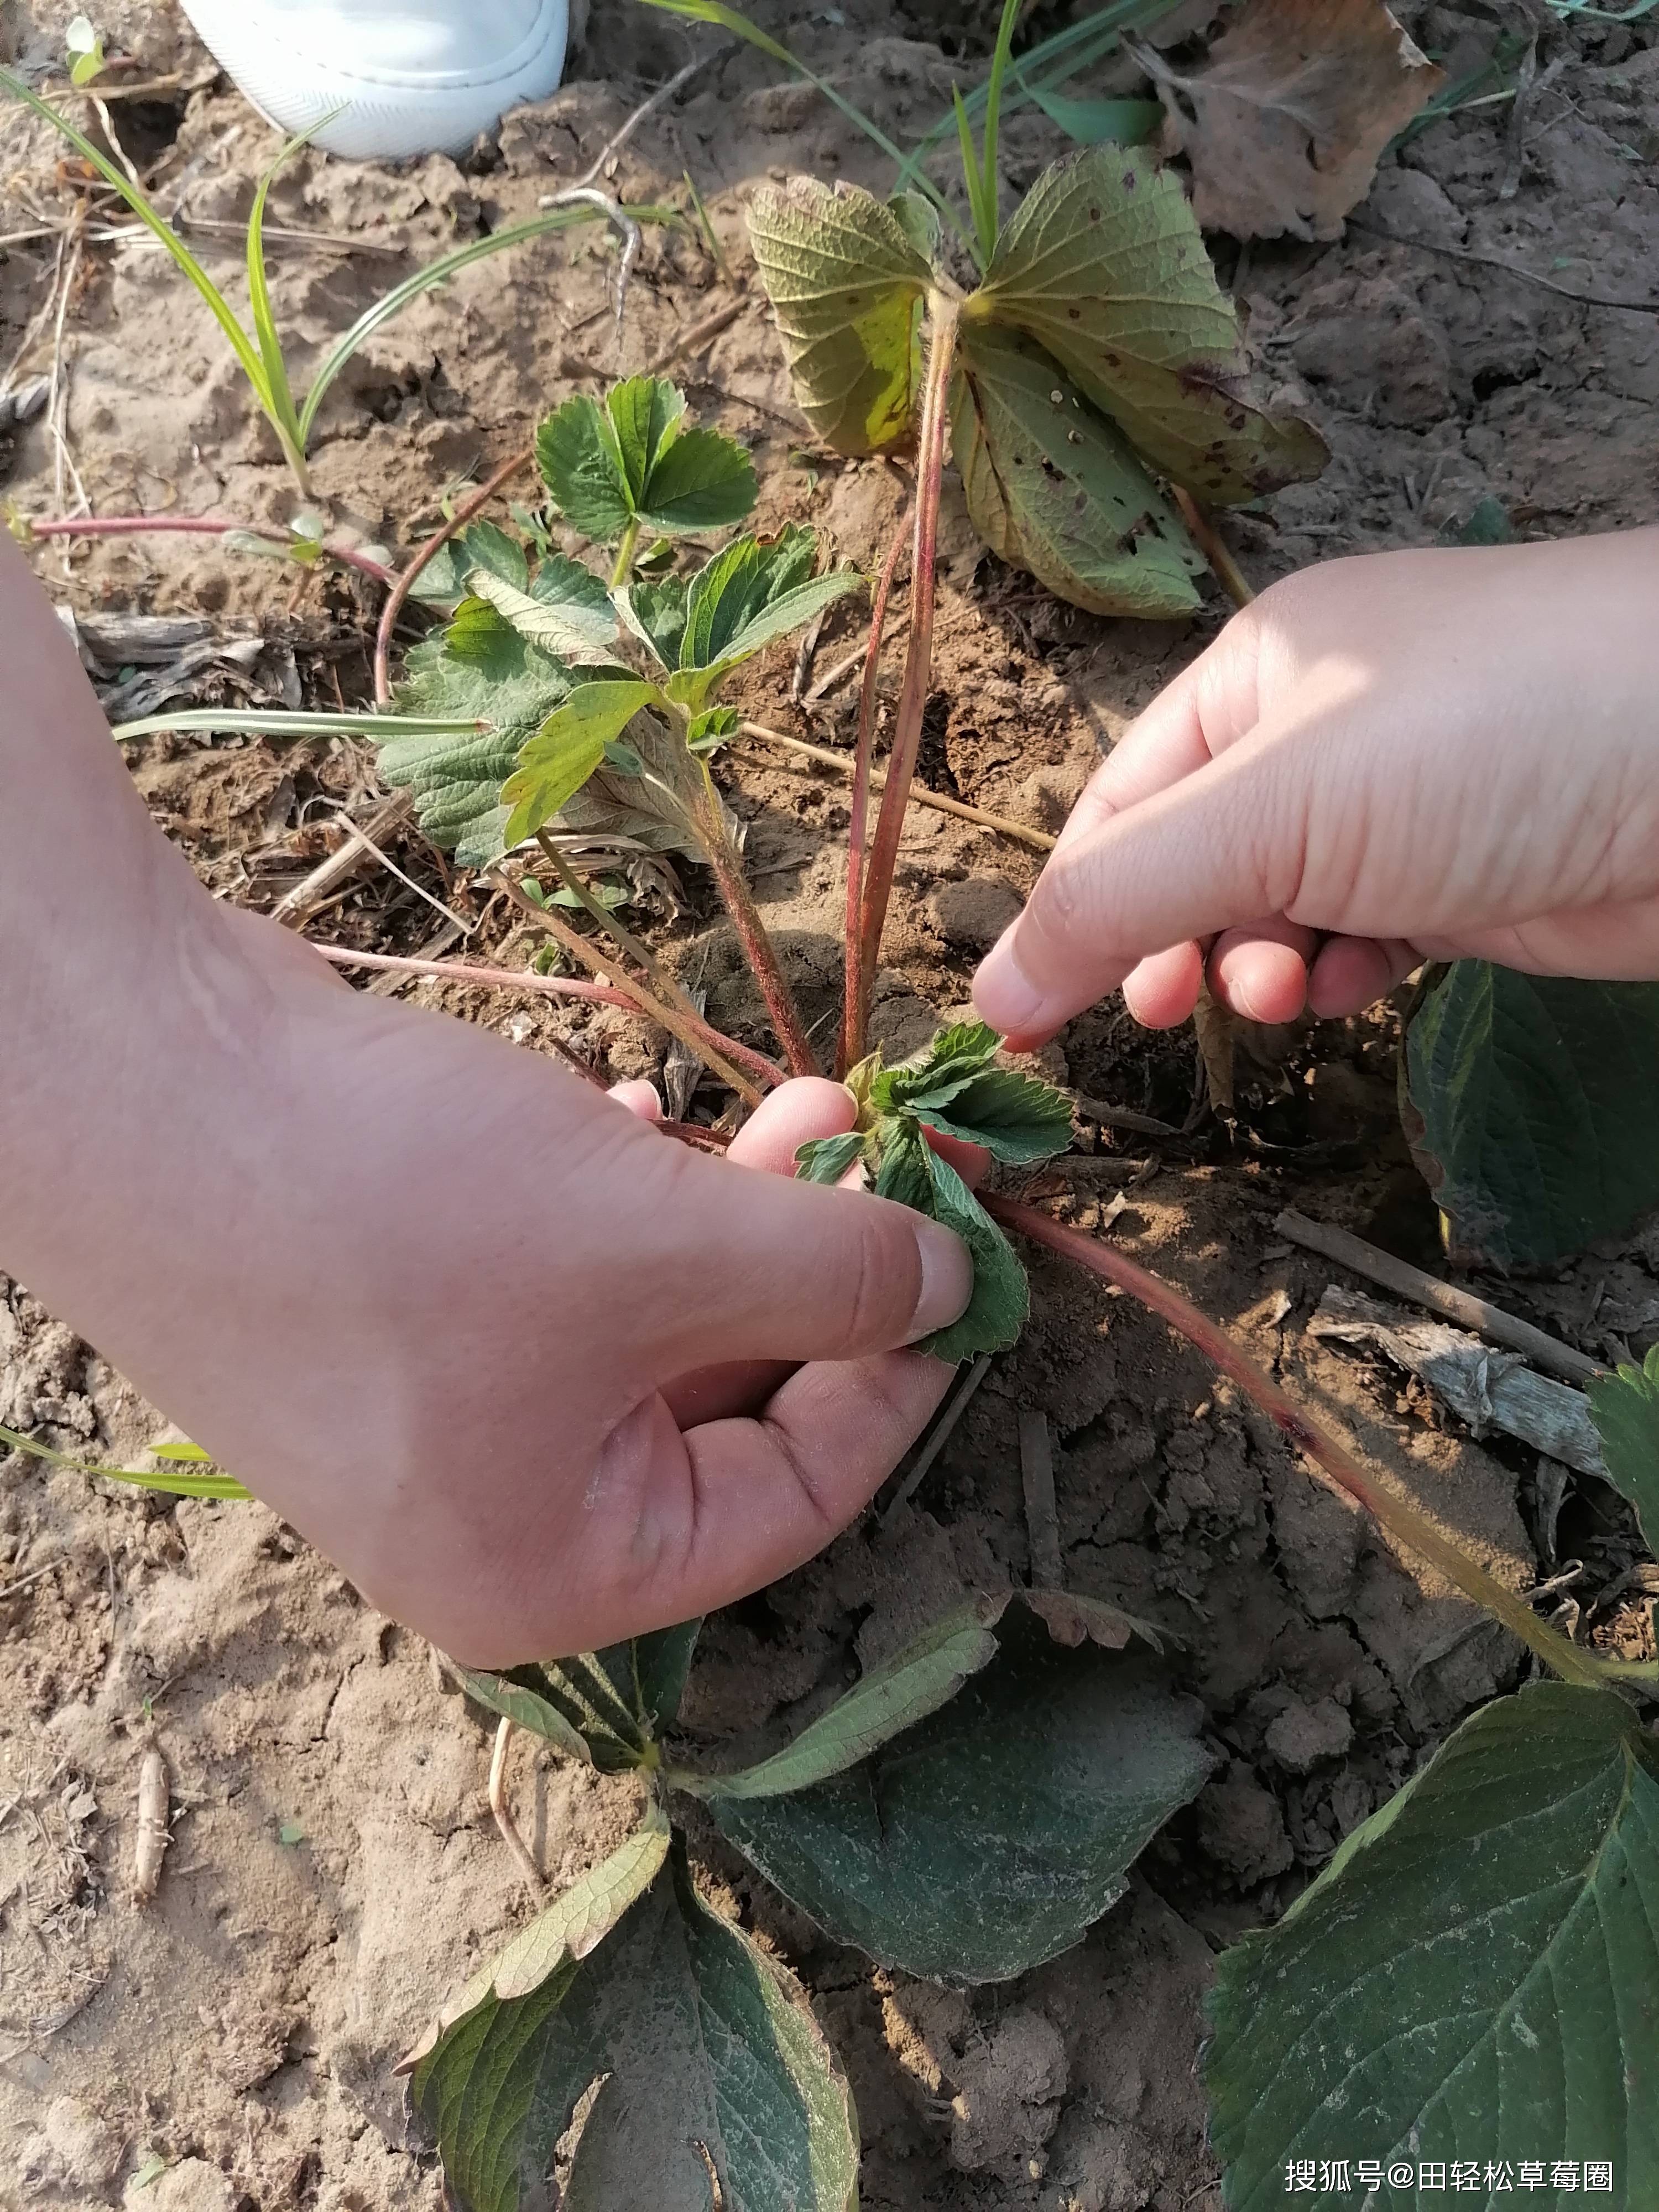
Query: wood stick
<point x="1038" y="840"/>
<point x="1037" y="1471"/>
<point x="1408" y="1282"/>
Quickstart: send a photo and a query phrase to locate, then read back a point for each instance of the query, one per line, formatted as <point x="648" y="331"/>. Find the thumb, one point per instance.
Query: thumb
<point x="1216" y="849"/>
<point x="791" y="1271"/>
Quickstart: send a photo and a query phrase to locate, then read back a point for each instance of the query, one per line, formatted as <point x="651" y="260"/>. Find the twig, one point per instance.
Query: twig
<point x="694" y="1034"/>
<point x="1408" y="1282"/>
<point x="919" y="795"/>
<point x="936" y="1443"/>
<point x="312" y="891"/>
<point x="1036" y="1472"/>
<point x="1508" y="268"/>
<point x="549" y="986"/>
<point x="843" y="668"/>
<point x="25" y="1582"/>
<point x="362" y="838"/>
<point x="1226" y="570"/>
<point x="851" y="1027"/>
<point x="1122" y="1117"/>
<point x="510" y="1836"/>
<point x="918" y="665"/>
<point x="667" y="987"/>
<point x="411" y="575"/>
<point x="694" y="339"/>
<point x="1401" y="1517"/>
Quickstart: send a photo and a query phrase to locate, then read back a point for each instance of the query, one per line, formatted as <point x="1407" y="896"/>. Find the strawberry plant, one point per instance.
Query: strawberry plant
<point x="963" y="1812"/>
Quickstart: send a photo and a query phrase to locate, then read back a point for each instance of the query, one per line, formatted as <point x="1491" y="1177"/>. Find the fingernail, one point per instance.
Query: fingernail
<point x="947" y="1278"/>
<point x="1003" y="994"/>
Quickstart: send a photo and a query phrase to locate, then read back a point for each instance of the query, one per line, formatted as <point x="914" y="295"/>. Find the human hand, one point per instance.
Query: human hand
<point x="1386" y="760"/>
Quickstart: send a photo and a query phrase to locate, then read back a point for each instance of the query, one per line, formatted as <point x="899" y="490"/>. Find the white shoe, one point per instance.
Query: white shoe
<point x="411" y="76"/>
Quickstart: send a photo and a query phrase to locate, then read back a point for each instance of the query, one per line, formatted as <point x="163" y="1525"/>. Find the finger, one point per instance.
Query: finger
<point x="730" y="1506"/>
<point x="640" y="1098"/>
<point x="1162" y="991"/>
<point x="1200" y="856"/>
<point x="793" y="1114"/>
<point x="782" y="1269"/>
<point x="1261" y="972"/>
<point x="1352" y="973"/>
<point x="1208" y="707"/>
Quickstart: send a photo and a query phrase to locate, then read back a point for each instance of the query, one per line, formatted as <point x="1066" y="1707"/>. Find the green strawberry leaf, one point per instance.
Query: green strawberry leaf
<point x="1055" y="487"/>
<point x="568" y="747"/>
<point x="924" y="1676"/>
<point x="567" y="611"/>
<point x="1002" y="1297"/>
<point x="522" y="1695"/>
<point x="1625" y="1408"/>
<point x="649" y="1672"/>
<point x="707" y="731"/>
<point x="999" y="1823"/>
<point x="492" y="675"/>
<point x="655" y="612"/>
<point x="714" y="2083"/>
<point x="1104" y="265"/>
<point x="631" y="462"/>
<point x="1471" y="1977"/>
<point x="847" y="276"/>
<point x="754" y="591"/>
<point x="442" y="582"/>
<point x="932" y="1076"/>
<point x="1535" y="1099"/>
<point x="826" y="1159"/>
<point x="1018" y="1119"/>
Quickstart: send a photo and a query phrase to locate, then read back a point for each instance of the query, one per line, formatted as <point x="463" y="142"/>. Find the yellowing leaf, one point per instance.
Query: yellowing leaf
<point x="567" y="748"/>
<point x="1104" y="265"/>
<point x="847" y="281"/>
<point x="1284" y="125"/>
<point x="1055" y="487"/>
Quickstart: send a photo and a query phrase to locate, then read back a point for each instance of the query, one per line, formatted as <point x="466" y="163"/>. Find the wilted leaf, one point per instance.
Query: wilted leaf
<point x="1625" y="1408"/>
<point x="990" y="1835"/>
<point x="564" y="752"/>
<point x="708" y="2056"/>
<point x="1284" y="123"/>
<point x="567" y="610"/>
<point x="1472" y="1978"/>
<point x="1104" y="265"/>
<point x="644" y="806"/>
<point x="501" y="679"/>
<point x="847" y="278"/>
<point x="924" y="1676"/>
<point x="632" y="461"/>
<point x="1055" y="488"/>
<point x="1535" y="1095"/>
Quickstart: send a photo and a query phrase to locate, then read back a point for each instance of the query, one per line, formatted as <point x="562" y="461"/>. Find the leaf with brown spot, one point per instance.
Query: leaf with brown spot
<point x="1104" y="265"/>
<point x="1053" y="488"/>
<point x="1284" y="124"/>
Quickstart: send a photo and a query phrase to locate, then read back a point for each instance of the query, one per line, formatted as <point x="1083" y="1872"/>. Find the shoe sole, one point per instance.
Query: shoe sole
<point x="386" y="115"/>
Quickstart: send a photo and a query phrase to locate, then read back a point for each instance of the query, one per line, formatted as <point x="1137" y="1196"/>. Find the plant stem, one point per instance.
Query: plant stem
<point x="918" y="662"/>
<point x="757" y="946"/>
<point x="667" y="987"/>
<point x="1228" y="573"/>
<point x="195" y="526"/>
<point x="406" y="582"/>
<point x="765" y="1070"/>
<point x="630" y="538"/>
<point x="851" y="1046"/>
<point x="695" y="1035"/>
<point x="1399" y="1516"/>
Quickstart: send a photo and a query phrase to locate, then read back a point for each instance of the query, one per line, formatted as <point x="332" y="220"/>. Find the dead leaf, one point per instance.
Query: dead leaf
<point x="1284" y="126"/>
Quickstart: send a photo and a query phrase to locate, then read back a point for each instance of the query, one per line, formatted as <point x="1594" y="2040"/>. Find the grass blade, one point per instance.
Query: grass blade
<point x="989" y="212"/>
<point x="731" y="19"/>
<point x="280" y="404"/>
<point x="246" y="351"/>
<point x="438" y="272"/>
<point x="274" y="722"/>
<point x="984" y="248"/>
<point x="176" y="1485"/>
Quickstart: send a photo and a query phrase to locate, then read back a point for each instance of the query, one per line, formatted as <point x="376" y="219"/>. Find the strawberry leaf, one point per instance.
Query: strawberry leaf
<point x="568" y="748"/>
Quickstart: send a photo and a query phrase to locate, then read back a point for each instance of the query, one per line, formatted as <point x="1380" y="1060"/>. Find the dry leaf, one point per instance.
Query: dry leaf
<point x="1284" y="124"/>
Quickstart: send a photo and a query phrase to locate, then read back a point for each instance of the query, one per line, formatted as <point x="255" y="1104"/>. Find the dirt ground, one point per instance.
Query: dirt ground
<point x="335" y="1870"/>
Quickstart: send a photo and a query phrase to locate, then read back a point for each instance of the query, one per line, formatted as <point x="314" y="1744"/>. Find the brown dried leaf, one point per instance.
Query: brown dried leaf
<point x="1284" y="124"/>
